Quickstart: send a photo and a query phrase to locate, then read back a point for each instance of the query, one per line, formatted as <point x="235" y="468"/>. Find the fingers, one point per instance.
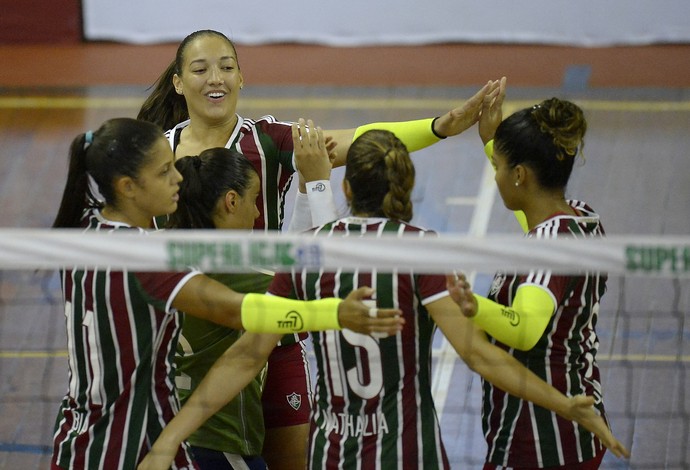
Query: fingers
<point x="590" y="419"/>
<point x="501" y="93"/>
<point x="480" y="96"/>
<point x="618" y="449"/>
<point x="384" y="313"/>
<point x="584" y="400"/>
<point x="331" y="144"/>
<point x="366" y="318"/>
<point x="388" y="322"/>
<point x="296" y="134"/>
<point x="458" y="282"/>
<point x="360" y="293"/>
<point x="305" y="133"/>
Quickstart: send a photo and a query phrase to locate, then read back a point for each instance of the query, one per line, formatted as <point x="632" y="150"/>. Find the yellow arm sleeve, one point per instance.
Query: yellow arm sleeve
<point x="521" y="325"/>
<point x="416" y="135"/>
<point x="272" y="314"/>
<point x="519" y="215"/>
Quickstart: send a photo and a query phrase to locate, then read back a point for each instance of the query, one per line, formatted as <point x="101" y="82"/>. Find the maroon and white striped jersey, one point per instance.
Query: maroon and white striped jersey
<point x="373" y="403"/>
<point x="267" y="143"/>
<point x="520" y="433"/>
<point x="121" y="335"/>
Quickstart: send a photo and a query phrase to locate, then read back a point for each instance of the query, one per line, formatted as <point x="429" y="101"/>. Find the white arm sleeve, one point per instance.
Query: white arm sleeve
<point x="301" y="215"/>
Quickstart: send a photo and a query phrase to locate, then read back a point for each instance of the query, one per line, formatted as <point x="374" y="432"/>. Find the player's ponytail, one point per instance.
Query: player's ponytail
<point x="164" y="106"/>
<point x="74" y="196"/>
<point x="397" y="203"/>
<point x="380" y="174"/>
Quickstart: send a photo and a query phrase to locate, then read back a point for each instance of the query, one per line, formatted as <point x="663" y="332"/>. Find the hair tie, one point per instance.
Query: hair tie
<point x="88" y="139"/>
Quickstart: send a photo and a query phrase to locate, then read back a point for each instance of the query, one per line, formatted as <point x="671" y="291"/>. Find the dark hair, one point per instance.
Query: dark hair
<point x="164" y="106"/>
<point x="206" y="179"/>
<point x="547" y="137"/>
<point x="381" y="176"/>
<point x="120" y="147"/>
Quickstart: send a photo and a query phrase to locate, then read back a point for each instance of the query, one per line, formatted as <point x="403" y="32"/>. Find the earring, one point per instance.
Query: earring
<point x="517" y="183"/>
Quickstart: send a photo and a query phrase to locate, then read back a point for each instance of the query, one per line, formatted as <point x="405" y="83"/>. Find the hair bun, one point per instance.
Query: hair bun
<point x="564" y="121"/>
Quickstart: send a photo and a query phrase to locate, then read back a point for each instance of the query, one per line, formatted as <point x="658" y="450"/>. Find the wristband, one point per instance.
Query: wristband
<point x="416" y="135"/>
<point x="271" y="314"/>
<point x="321" y="202"/>
<point x="434" y="130"/>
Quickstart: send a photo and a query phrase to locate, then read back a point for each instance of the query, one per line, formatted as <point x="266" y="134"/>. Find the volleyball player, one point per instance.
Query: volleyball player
<point x="196" y="99"/>
<point x="219" y="191"/>
<point x="123" y="327"/>
<point x="533" y="152"/>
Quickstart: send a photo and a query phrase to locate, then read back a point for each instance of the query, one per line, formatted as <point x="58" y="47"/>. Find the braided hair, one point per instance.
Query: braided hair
<point x="381" y="176"/>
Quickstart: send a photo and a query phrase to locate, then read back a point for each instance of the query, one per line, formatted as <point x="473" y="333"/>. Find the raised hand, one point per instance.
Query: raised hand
<point x="492" y="111"/>
<point x="463" y="117"/>
<point x="461" y="293"/>
<point x="312" y="151"/>
<point x="355" y="315"/>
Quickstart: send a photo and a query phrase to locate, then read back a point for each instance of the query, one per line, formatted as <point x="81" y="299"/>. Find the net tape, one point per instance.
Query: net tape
<point x="241" y="251"/>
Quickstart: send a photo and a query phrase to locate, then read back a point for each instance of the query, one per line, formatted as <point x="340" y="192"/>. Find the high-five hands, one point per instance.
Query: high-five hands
<point x="465" y="116"/>
<point x="492" y="111"/>
<point x="314" y="153"/>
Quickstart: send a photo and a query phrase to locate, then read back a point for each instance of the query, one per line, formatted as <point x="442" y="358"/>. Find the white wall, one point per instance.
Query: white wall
<point x="399" y="22"/>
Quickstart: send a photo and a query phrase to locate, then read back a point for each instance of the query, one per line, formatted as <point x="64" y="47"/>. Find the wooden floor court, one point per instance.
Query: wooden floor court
<point x="636" y="174"/>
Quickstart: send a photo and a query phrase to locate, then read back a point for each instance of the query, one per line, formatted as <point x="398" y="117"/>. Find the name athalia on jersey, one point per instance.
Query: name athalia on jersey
<point x="355" y="425"/>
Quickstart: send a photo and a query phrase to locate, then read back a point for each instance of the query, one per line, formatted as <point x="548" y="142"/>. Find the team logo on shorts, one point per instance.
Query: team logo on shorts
<point x="295" y="400"/>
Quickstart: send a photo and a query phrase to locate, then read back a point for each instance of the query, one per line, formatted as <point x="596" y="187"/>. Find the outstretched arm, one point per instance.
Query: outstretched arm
<point x="507" y="373"/>
<point x="207" y="298"/>
<point x="420" y="133"/>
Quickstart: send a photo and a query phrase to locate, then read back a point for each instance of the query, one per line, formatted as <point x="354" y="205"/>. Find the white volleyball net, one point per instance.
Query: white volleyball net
<point x="644" y="324"/>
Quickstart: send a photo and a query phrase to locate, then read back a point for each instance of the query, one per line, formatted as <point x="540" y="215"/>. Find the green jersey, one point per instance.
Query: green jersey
<point x="238" y="428"/>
